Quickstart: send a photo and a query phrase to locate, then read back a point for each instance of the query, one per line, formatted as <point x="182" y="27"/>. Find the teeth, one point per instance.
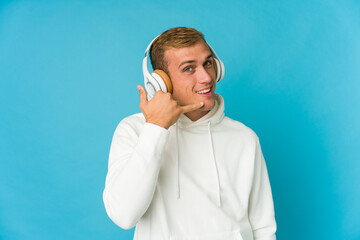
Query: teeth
<point x="204" y="91"/>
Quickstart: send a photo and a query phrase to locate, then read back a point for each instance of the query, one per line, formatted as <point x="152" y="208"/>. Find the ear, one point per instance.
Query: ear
<point x="165" y="78"/>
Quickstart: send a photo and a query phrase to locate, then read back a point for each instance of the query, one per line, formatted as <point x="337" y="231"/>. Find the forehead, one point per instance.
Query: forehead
<point x="197" y="52"/>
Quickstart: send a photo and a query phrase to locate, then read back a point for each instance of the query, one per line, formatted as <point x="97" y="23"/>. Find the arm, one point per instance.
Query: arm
<point x="136" y="156"/>
<point x="261" y="207"/>
<point x="134" y="164"/>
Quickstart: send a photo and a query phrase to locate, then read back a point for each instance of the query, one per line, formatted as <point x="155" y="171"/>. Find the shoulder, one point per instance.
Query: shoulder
<point x="133" y="119"/>
<point x="239" y="129"/>
<point x="132" y="123"/>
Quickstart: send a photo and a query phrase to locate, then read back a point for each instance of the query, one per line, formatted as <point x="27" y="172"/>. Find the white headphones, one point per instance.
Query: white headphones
<point x="159" y="80"/>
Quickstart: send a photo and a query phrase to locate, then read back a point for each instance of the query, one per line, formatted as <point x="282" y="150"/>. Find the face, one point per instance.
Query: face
<point x="192" y="75"/>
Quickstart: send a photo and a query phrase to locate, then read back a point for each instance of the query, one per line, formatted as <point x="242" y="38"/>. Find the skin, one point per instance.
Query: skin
<point x="191" y="70"/>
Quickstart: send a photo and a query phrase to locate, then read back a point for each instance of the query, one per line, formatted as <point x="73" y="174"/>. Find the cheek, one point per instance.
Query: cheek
<point x="183" y="93"/>
<point x="182" y="88"/>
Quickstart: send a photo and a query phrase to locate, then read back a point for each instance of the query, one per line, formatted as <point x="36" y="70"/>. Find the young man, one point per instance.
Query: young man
<point x="181" y="169"/>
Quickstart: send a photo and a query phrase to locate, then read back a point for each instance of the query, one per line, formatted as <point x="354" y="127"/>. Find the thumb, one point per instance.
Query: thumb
<point x="143" y="95"/>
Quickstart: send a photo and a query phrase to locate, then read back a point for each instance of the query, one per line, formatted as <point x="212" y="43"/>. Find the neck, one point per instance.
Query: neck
<point x="196" y="115"/>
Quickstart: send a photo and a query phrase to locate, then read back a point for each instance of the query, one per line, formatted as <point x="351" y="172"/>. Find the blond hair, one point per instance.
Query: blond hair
<point x="178" y="37"/>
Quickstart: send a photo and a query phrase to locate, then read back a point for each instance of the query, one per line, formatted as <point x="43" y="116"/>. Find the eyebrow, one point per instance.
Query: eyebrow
<point x="192" y="61"/>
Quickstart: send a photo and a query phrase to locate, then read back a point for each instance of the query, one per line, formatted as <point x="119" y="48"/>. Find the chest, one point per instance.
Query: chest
<point x="199" y="162"/>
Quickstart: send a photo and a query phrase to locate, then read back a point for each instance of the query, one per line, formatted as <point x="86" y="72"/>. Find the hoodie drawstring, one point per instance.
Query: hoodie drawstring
<point x="213" y="160"/>
<point x="215" y="164"/>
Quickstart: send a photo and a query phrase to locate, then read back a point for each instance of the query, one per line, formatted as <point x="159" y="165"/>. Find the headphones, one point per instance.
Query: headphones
<point x="159" y="80"/>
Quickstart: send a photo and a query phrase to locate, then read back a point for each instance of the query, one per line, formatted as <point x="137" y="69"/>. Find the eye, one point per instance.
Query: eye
<point x="208" y="63"/>
<point x="188" y="69"/>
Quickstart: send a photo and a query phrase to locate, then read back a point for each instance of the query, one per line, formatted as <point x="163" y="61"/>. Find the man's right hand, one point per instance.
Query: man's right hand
<point x="162" y="109"/>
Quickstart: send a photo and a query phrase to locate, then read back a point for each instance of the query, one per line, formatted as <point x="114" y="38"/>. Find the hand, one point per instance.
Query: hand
<point x="162" y="109"/>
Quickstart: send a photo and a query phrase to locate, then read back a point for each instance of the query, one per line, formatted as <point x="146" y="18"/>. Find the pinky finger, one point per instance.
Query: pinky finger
<point x="192" y="107"/>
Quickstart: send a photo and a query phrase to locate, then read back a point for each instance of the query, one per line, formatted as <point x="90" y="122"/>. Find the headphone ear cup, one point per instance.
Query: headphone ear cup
<point x="159" y="81"/>
<point x="165" y="79"/>
<point x="219" y="69"/>
<point x="151" y="86"/>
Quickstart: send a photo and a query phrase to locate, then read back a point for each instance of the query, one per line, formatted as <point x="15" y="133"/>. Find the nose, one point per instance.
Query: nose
<point x="204" y="76"/>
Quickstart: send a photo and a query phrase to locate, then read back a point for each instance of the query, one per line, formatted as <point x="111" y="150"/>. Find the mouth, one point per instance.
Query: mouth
<point x="204" y="91"/>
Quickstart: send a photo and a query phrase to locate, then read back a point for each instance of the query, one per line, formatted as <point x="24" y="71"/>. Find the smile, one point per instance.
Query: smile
<point x="204" y="91"/>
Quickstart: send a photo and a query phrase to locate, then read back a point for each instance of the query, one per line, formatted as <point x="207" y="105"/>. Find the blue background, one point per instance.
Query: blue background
<point x="68" y="75"/>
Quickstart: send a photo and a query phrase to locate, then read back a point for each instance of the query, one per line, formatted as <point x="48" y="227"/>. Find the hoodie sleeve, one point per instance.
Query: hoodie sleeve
<point x="134" y="165"/>
<point x="261" y="207"/>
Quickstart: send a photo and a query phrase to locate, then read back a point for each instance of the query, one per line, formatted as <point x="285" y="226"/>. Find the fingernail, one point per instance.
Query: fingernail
<point x="201" y="103"/>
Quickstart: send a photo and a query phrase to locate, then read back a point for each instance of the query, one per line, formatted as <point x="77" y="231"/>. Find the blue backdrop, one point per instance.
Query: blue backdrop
<point x="68" y="75"/>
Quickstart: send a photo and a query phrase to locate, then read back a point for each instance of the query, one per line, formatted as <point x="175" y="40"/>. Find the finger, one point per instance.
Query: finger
<point x="143" y="95"/>
<point x="192" y="107"/>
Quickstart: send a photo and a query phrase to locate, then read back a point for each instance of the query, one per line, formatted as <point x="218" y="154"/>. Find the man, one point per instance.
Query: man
<point x="181" y="169"/>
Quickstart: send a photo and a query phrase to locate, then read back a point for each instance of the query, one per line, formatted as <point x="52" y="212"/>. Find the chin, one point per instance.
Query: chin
<point x="209" y="104"/>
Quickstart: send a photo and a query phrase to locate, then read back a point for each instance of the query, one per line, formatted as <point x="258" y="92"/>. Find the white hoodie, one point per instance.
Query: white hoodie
<point x="202" y="180"/>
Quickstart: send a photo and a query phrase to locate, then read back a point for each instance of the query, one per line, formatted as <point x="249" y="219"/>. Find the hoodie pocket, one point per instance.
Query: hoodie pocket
<point x="232" y="235"/>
